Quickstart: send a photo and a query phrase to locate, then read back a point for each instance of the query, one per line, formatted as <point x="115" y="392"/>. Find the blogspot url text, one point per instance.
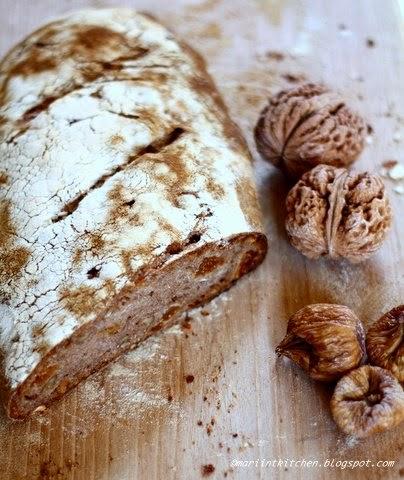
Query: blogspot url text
<point x="304" y="463"/>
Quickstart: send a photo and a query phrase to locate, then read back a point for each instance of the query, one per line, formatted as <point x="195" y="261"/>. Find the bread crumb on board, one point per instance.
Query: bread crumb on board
<point x="129" y="390"/>
<point x="119" y="391"/>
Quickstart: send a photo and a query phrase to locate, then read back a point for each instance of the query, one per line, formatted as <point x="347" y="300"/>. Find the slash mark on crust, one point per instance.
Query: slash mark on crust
<point x="154" y="147"/>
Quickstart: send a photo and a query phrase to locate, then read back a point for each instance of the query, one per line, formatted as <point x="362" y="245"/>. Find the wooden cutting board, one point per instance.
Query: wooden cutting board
<point x="211" y="392"/>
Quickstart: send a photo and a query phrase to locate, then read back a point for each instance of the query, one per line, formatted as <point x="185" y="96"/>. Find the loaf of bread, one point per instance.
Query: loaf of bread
<point x="126" y="197"/>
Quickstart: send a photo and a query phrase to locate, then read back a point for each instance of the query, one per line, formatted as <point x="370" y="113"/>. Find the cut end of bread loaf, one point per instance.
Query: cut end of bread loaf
<point x="153" y="301"/>
<point x="129" y="197"/>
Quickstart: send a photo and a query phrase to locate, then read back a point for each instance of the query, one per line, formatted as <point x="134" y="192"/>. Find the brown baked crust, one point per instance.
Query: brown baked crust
<point x="158" y="204"/>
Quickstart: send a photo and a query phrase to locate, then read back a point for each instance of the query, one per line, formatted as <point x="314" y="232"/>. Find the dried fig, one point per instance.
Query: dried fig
<point x="385" y="342"/>
<point x="326" y="340"/>
<point x="366" y="401"/>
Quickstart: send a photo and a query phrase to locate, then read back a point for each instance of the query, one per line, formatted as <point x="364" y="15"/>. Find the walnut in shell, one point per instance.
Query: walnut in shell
<point x="366" y="401"/>
<point x="306" y="126"/>
<point x="331" y="212"/>
<point x="385" y="342"/>
<point x="326" y="340"/>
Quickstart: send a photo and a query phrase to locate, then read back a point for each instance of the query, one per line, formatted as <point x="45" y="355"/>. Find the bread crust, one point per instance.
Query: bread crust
<point x="117" y="152"/>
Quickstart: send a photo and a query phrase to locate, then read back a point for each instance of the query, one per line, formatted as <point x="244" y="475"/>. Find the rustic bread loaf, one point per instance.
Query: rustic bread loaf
<point x="126" y="197"/>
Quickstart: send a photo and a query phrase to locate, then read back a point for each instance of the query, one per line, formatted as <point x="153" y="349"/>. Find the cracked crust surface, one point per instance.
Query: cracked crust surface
<point x="116" y="150"/>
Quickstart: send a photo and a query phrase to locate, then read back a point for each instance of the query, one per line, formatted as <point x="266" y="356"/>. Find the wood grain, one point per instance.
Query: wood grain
<point x="145" y="417"/>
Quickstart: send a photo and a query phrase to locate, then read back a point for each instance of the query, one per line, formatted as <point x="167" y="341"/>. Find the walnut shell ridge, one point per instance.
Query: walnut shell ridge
<point x="331" y="212"/>
<point x="306" y="126"/>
